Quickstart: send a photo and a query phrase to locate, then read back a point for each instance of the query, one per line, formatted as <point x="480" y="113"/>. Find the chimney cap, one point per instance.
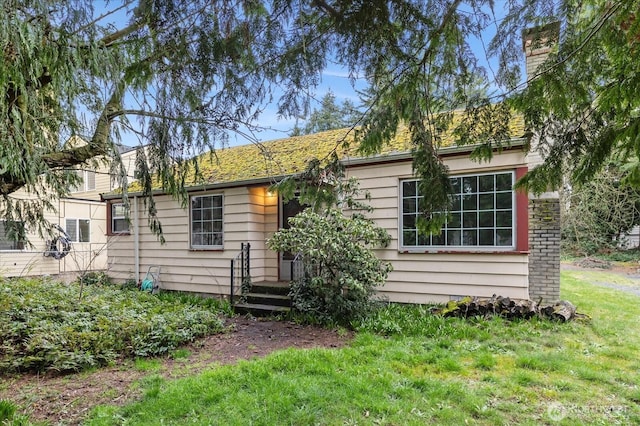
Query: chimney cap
<point x="540" y="37"/>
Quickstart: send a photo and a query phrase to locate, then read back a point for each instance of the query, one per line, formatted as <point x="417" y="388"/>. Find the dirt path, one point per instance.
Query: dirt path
<point x="68" y="399"/>
<point x="628" y="272"/>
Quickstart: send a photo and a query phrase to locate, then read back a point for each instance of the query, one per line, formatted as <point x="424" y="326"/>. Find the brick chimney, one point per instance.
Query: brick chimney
<point x="537" y="42"/>
<point x="544" y="210"/>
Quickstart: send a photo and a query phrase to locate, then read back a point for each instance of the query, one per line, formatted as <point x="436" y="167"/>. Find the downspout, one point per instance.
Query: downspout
<point x="60" y="225"/>
<point x="136" y="239"/>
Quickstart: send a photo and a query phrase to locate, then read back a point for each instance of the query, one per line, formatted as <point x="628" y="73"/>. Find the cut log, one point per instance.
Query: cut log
<point x="508" y="308"/>
<point x="562" y="310"/>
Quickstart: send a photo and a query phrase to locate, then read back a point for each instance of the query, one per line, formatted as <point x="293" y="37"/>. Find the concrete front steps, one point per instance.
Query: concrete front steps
<point x="266" y="299"/>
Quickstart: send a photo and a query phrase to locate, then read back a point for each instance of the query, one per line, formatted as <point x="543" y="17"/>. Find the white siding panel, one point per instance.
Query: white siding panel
<point x="83" y="257"/>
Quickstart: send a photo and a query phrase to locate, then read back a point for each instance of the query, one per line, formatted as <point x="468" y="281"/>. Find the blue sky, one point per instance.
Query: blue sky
<point x="334" y="79"/>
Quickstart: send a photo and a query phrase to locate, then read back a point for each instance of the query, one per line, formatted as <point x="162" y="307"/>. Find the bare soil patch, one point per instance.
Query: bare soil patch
<point x="601" y="273"/>
<point x="67" y="399"/>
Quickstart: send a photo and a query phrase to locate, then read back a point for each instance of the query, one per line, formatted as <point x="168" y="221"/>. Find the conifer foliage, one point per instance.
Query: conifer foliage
<point x="185" y="74"/>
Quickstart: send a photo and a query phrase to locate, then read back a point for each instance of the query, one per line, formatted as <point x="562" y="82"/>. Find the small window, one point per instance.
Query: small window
<point x="78" y="230"/>
<point x="11" y="235"/>
<point x="206" y="221"/>
<point x="87" y="181"/>
<point x="481" y="215"/>
<point x="119" y="220"/>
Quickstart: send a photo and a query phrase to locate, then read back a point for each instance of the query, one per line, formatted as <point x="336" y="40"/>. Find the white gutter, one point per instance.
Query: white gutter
<point x="136" y="239"/>
<point x="408" y="155"/>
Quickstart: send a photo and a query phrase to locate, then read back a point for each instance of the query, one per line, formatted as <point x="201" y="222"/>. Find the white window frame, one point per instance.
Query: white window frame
<point x="457" y="215"/>
<point x="122" y="217"/>
<point x="4" y="240"/>
<point x="88" y="181"/>
<point x="206" y="230"/>
<point x="75" y="236"/>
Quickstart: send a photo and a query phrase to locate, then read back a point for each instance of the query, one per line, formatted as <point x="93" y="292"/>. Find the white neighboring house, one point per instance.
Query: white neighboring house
<point x="82" y="216"/>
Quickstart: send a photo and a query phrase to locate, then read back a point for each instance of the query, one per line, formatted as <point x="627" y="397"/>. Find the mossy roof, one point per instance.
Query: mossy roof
<point x="284" y="156"/>
<point x="291" y="155"/>
<point x="287" y="156"/>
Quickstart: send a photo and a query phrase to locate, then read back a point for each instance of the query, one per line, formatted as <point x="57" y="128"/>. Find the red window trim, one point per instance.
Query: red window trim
<point x="522" y="214"/>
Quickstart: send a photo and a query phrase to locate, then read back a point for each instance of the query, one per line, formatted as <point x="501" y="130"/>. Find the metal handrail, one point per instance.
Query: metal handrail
<point x="240" y="263"/>
<point x="297" y="267"/>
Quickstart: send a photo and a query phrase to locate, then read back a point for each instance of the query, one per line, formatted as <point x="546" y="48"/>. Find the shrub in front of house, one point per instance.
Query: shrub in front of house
<point x="341" y="271"/>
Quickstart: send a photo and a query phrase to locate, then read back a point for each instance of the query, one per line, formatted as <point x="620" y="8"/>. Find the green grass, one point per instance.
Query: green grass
<point x="147" y="364"/>
<point x="607" y="277"/>
<point x="406" y="366"/>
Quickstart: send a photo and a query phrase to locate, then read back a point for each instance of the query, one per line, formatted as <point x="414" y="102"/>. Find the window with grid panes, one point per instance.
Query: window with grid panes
<point x="119" y="221"/>
<point x="206" y="221"/>
<point x="481" y="216"/>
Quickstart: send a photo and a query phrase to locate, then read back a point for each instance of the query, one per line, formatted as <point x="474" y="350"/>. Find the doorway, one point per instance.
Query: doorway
<point x="288" y="210"/>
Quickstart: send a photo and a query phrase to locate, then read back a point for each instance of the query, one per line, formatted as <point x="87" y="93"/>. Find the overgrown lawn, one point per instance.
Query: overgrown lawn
<point x="409" y="367"/>
<point x="46" y="325"/>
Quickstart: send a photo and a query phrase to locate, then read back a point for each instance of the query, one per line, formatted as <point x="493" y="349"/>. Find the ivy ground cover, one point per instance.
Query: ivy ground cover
<point x="51" y="326"/>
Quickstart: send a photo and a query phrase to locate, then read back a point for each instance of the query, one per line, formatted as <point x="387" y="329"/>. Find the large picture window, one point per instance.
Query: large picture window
<point x="206" y="221"/>
<point x="482" y="213"/>
<point x="8" y="233"/>
<point x="78" y="230"/>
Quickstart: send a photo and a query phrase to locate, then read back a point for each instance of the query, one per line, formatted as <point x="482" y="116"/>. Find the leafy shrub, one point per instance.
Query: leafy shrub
<point x="95" y="278"/>
<point x="44" y="326"/>
<point x="341" y="270"/>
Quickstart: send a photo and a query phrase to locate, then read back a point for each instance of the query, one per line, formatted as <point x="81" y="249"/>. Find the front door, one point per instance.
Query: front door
<point x="287" y="210"/>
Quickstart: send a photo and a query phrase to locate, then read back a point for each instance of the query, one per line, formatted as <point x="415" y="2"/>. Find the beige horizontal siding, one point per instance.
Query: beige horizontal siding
<point x="433" y="277"/>
<point x="251" y="215"/>
<point x="203" y="271"/>
<point x="20" y="263"/>
<point x="425" y="294"/>
<point x="407" y="280"/>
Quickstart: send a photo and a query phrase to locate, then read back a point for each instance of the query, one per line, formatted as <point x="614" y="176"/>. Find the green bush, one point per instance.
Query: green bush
<point x="95" y="278"/>
<point x="45" y="326"/>
<point x="341" y="270"/>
